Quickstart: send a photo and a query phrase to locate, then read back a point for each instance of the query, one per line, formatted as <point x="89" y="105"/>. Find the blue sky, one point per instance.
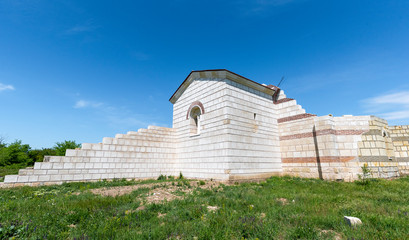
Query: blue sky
<point x="84" y="70"/>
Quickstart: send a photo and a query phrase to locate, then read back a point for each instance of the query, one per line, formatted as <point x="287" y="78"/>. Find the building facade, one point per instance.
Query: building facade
<point x="229" y="128"/>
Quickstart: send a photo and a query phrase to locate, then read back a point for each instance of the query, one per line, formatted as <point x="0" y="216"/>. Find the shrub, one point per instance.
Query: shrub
<point x="15" y="153"/>
<point x="366" y="174"/>
<point x="162" y="177"/>
<point x="61" y="147"/>
<point x="37" y="155"/>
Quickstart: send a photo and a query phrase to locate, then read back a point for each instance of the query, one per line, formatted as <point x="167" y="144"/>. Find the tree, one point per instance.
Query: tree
<point x="2" y="143"/>
<point x="37" y="155"/>
<point x="60" y="147"/>
<point x="14" y="153"/>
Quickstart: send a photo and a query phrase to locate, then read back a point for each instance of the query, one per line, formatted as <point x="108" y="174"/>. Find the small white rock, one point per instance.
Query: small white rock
<point x="352" y="221"/>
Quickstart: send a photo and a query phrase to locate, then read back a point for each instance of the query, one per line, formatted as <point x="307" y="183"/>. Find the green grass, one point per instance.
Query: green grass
<point x="246" y="211"/>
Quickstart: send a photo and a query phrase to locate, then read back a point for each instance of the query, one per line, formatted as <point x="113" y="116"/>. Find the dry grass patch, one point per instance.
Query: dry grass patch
<point x="159" y="192"/>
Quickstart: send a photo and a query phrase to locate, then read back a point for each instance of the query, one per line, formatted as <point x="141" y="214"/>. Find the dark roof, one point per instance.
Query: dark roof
<point x="269" y="87"/>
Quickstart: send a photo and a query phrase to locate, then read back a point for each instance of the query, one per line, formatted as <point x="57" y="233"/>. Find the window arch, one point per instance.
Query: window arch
<point x="195" y="121"/>
<point x="194" y="113"/>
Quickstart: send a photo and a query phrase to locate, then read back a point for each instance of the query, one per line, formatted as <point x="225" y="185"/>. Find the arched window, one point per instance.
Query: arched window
<point x="194" y="116"/>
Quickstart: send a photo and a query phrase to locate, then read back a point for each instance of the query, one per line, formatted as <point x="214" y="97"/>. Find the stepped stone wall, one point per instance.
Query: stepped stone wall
<point x="143" y="154"/>
<point x="400" y="140"/>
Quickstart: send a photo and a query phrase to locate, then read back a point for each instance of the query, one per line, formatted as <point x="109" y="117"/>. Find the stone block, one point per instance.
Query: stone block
<point x="67" y="177"/>
<point x="33" y="178"/>
<point x="10" y="178"/>
<point x="86" y="146"/>
<point x="45" y="165"/>
<point x="44" y="178"/>
<point x="71" y="152"/>
<point x="57" y="166"/>
<point x="55" y="177"/>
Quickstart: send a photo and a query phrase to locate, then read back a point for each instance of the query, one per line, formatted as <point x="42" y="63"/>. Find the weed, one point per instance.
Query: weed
<point x="366" y="174"/>
<point x="162" y="177"/>
<point x="181" y="175"/>
<point x="201" y="182"/>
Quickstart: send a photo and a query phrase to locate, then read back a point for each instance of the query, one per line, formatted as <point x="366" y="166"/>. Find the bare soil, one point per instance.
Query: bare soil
<point x="159" y="192"/>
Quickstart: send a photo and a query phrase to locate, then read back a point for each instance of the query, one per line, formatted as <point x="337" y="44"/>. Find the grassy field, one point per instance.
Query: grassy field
<point x="279" y="208"/>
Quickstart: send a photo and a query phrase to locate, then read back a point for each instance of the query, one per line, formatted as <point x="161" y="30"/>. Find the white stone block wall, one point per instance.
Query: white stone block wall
<point x="400" y="142"/>
<point x="325" y="147"/>
<point x="203" y="155"/>
<point x="143" y="154"/>
<point x="251" y="120"/>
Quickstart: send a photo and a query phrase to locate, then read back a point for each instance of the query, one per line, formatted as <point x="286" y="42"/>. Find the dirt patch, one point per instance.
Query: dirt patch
<point x="122" y="190"/>
<point x="329" y="233"/>
<point x="283" y="201"/>
<point x="212" y="208"/>
<point x="159" y="195"/>
<point x="164" y="191"/>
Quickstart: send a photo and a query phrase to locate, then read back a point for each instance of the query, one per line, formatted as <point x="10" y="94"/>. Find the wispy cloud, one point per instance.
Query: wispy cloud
<point x="81" y="28"/>
<point x="4" y="87"/>
<point x="256" y="7"/>
<point x="87" y="104"/>
<point x="392" y="106"/>
<point x="119" y="118"/>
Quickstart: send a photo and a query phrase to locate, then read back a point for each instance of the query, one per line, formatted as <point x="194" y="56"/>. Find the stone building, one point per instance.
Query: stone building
<point x="229" y="128"/>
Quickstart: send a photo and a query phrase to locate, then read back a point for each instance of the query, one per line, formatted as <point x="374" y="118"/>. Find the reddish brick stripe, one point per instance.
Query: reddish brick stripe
<point x="324" y="159"/>
<point x="322" y="132"/>
<point x="283" y="100"/>
<point x="295" y="117"/>
<point x="195" y="103"/>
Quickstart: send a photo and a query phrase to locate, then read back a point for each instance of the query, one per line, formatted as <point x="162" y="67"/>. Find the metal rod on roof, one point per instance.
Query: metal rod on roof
<point x="282" y="79"/>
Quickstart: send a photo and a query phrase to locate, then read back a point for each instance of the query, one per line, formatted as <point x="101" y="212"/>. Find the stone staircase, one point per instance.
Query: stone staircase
<point x="146" y="153"/>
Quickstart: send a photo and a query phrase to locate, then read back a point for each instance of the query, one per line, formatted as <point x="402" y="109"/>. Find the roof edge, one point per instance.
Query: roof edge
<point x="269" y="87"/>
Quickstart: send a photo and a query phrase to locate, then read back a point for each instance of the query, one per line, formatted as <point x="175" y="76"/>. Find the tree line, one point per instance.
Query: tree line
<point x="19" y="154"/>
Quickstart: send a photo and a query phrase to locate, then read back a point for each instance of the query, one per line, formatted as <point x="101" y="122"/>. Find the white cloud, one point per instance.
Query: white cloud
<point x="392" y="106"/>
<point x="4" y="87"/>
<point x="396" y="115"/>
<point x="119" y="118"/>
<point x="87" y="104"/>
<point x="401" y="98"/>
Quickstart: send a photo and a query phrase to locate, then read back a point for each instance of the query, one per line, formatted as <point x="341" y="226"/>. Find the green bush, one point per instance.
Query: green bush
<point x="14" y="153"/>
<point x="37" y="155"/>
<point x="162" y="177"/>
<point x="61" y="147"/>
